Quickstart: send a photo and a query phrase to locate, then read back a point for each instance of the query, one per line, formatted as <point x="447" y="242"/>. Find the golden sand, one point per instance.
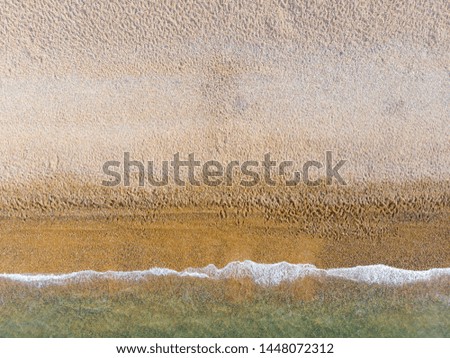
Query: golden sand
<point x="179" y="239"/>
<point x="83" y="83"/>
<point x="65" y="226"/>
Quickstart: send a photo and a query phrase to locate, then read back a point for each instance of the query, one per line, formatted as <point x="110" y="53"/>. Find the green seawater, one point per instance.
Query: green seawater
<point x="189" y="309"/>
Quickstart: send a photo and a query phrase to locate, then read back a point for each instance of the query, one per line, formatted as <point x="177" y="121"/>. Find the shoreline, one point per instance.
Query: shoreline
<point x="267" y="275"/>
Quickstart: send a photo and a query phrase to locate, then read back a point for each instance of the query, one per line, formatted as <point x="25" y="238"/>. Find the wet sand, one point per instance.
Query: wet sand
<point x="173" y="237"/>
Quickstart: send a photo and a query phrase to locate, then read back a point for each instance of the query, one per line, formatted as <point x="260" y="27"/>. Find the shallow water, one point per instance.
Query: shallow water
<point x="185" y="306"/>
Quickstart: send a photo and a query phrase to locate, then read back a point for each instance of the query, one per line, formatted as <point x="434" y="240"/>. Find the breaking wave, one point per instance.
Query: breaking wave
<point x="262" y="274"/>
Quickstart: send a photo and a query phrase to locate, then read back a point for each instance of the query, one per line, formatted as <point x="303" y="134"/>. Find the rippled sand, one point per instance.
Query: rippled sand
<point x="50" y="230"/>
<point x="82" y="84"/>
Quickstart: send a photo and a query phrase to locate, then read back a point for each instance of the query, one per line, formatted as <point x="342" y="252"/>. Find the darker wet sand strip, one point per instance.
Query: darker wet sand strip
<point x="184" y="238"/>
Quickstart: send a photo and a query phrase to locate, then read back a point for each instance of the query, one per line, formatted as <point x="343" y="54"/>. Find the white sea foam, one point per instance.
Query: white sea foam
<point x="262" y="274"/>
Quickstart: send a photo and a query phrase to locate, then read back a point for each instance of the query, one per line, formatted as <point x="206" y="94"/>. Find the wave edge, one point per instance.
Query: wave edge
<point x="262" y="274"/>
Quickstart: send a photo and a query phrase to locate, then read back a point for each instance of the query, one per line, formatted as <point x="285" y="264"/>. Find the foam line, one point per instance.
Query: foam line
<point x="262" y="274"/>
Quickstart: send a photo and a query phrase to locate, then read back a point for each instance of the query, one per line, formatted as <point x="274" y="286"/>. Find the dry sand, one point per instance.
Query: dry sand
<point x="82" y="83"/>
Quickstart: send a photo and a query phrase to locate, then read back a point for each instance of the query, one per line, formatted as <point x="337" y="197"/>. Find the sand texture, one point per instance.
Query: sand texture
<point x="83" y="82"/>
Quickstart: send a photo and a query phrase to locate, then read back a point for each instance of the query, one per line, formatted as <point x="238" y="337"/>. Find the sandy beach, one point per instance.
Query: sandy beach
<point x="135" y="229"/>
<point x="86" y="84"/>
